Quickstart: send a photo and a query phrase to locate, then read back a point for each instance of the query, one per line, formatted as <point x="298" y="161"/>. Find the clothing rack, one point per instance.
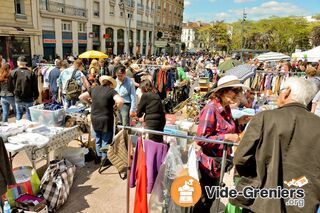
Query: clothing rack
<point x="150" y="65"/>
<point x="194" y="138"/>
<point x="278" y="72"/>
<point x="44" y="64"/>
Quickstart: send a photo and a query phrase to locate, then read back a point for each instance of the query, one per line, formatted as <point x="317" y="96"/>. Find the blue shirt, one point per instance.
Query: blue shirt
<point x="66" y="75"/>
<point x="127" y="91"/>
<point x="53" y="77"/>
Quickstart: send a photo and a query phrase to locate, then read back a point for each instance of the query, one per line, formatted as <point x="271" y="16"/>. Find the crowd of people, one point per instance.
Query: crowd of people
<point x="135" y="89"/>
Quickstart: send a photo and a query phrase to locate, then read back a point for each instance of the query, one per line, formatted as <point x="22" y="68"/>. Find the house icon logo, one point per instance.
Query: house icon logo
<point x="185" y="191"/>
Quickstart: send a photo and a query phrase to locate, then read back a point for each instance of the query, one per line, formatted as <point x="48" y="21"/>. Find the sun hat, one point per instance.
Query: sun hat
<point x="110" y="79"/>
<point x="209" y="66"/>
<point x="135" y="66"/>
<point x="229" y="81"/>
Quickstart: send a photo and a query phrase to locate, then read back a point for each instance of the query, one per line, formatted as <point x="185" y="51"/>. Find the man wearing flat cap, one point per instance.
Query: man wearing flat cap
<point x="126" y="89"/>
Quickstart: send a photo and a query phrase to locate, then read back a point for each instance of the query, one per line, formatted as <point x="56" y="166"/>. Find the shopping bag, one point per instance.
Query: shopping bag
<point x="56" y="183"/>
<point x="232" y="209"/>
<point x="27" y="182"/>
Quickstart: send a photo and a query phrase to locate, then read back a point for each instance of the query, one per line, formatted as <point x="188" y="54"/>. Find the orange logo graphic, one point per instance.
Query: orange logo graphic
<point x="185" y="191"/>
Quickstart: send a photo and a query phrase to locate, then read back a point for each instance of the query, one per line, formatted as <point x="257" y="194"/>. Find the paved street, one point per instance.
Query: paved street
<point x="93" y="192"/>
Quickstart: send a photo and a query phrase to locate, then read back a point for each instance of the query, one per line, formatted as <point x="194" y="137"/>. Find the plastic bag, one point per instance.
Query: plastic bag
<point x="193" y="165"/>
<point x="27" y="182"/>
<point x="160" y="199"/>
<point x="232" y="209"/>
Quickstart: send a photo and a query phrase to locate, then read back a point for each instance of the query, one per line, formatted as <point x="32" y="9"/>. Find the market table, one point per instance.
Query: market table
<point x="60" y="139"/>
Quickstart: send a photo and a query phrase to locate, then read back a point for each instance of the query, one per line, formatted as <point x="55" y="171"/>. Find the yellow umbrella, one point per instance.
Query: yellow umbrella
<point x="93" y="54"/>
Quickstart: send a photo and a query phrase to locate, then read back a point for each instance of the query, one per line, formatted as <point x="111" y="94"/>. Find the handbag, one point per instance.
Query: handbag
<point x="212" y="165"/>
<point x="118" y="152"/>
<point x="56" y="183"/>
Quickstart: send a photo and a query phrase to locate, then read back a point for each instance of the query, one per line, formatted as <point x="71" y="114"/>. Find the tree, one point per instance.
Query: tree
<point x="315" y="36"/>
<point x="274" y="34"/>
<point x="214" y="36"/>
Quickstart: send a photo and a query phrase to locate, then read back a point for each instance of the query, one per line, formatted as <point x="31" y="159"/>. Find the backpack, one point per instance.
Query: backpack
<point x="73" y="89"/>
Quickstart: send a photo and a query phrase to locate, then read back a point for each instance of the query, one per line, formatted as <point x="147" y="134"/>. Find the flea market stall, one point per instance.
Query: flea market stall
<point x="47" y="135"/>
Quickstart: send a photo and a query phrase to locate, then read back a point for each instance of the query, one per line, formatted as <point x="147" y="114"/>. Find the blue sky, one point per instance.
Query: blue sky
<point x="231" y="10"/>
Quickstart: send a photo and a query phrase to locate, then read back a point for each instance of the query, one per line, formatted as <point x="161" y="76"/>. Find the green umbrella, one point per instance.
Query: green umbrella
<point x="227" y="65"/>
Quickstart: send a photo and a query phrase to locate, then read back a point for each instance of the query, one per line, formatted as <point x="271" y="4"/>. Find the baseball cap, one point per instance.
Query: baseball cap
<point x="22" y="59"/>
<point x="120" y="70"/>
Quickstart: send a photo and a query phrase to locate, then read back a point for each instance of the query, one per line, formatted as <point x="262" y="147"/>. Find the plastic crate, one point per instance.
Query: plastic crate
<point x="47" y="117"/>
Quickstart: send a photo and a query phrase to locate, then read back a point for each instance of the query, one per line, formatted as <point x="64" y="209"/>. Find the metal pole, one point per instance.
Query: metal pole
<point x="154" y="26"/>
<point x="222" y="171"/>
<point x="244" y="16"/>
<point x="193" y="138"/>
<point x="129" y="28"/>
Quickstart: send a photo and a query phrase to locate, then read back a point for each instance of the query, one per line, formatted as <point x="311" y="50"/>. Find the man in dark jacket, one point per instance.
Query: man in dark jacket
<point x="280" y="150"/>
<point x="26" y="88"/>
<point x="53" y="77"/>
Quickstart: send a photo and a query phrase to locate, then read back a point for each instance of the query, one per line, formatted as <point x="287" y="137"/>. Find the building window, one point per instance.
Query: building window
<point x="109" y="34"/>
<point x="121" y="14"/>
<point x="138" y="35"/>
<point x="82" y="27"/>
<point x="120" y="35"/>
<point x="111" y="11"/>
<point x="66" y="26"/>
<point x="19" y="7"/>
<point x="96" y="9"/>
<point x="96" y="30"/>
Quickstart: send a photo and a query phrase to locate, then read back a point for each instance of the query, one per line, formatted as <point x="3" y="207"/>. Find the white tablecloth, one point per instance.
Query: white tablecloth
<point x="60" y="139"/>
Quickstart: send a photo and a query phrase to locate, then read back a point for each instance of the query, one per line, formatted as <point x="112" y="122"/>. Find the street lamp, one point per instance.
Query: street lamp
<point x="128" y="28"/>
<point x="244" y="18"/>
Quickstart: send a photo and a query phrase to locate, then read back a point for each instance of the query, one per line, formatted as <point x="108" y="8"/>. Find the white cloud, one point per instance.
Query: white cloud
<point x="243" y="1"/>
<point x="264" y="10"/>
<point x="187" y="3"/>
<point x="222" y="15"/>
<point x="271" y="8"/>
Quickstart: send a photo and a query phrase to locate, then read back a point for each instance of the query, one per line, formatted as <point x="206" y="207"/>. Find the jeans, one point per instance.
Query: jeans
<point x="20" y="107"/>
<point x="67" y="103"/>
<point x="124" y="114"/>
<point x="55" y="96"/>
<point x="6" y="101"/>
<point x="102" y="139"/>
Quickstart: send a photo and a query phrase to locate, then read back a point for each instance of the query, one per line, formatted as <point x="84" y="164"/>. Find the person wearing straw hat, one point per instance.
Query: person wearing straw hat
<point x="104" y="101"/>
<point x="216" y="122"/>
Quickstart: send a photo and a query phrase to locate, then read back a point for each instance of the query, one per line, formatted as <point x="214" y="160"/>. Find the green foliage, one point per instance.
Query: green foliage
<point x="214" y="36"/>
<point x="315" y="35"/>
<point x="274" y="34"/>
<point x="316" y="16"/>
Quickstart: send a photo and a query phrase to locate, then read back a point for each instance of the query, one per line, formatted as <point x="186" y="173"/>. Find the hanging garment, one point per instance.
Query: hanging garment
<point x="141" y="199"/>
<point x="155" y="155"/>
<point x="160" y="199"/>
